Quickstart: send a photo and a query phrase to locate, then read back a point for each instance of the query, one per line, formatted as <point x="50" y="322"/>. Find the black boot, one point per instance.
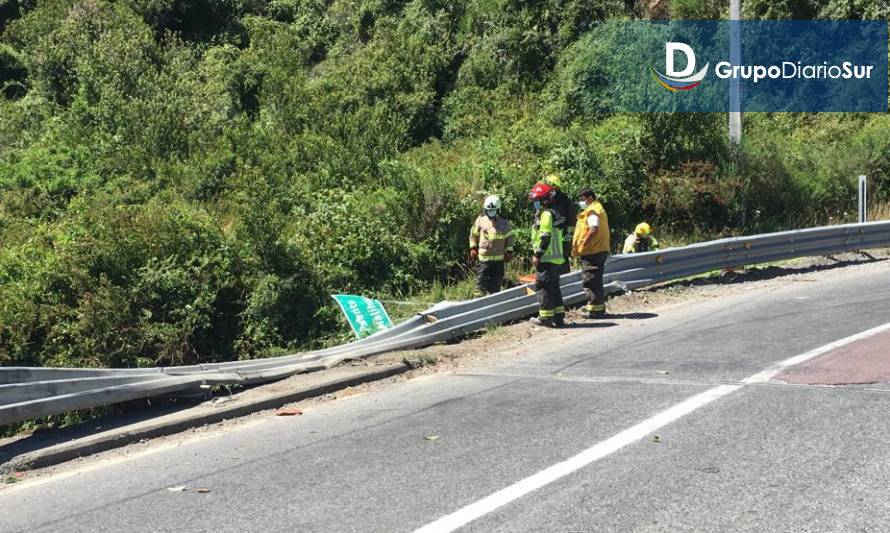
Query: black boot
<point x="546" y="322"/>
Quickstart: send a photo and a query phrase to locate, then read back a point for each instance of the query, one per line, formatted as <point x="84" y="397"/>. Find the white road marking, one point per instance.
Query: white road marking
<point x="594" y="453"/>
<point x="771" y="372"/>
<point x="631" y="435"/>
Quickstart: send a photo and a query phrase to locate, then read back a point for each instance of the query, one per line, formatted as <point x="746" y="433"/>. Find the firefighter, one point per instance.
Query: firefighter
<point x="641" y="240"/>
<point x="590" y="243"/>
<point x="548" y="257"/>
<point x="566" y="212"/>
<point x="491" y="245"/>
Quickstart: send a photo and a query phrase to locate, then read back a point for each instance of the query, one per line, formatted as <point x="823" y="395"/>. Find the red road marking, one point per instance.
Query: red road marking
<point x="863" y="361"/>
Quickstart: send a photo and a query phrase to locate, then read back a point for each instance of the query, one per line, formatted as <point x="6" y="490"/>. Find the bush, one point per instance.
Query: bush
<point x="116" y="285"/>
<point x="189" y="180"/>
<point x="693" y="196"/>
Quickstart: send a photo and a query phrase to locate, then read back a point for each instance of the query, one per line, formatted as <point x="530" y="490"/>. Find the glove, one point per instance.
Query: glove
<point x="474" y="254"/>
<point x="508" y="256"/>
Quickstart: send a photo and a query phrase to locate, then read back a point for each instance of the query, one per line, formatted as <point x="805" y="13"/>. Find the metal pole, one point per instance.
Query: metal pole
<point x="863" y="199"/>
<point x="735" y="56"/>
<point x="735" y="104"/>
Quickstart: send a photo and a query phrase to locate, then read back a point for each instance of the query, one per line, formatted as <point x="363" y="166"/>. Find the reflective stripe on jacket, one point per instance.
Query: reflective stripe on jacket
<point x="492" y="236"/>
<point x="544" y="228"/>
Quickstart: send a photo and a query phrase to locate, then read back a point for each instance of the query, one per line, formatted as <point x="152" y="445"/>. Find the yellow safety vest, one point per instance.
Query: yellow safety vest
<point x="600" y="241"/>
<point x="544" y="226"/>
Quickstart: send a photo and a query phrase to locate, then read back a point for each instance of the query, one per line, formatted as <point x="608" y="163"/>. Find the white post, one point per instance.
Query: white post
<point x="735" y="56"/>
<point x="863" y="199"/>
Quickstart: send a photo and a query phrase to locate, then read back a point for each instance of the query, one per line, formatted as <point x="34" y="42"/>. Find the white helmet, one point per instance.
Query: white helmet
<point x="492" y="205"/>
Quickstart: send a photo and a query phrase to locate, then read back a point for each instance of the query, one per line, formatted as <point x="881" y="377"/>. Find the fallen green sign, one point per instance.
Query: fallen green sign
<point x="366" y="316"/>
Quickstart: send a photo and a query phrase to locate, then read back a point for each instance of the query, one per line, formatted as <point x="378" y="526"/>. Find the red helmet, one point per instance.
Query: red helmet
<point x="541" y="192"/>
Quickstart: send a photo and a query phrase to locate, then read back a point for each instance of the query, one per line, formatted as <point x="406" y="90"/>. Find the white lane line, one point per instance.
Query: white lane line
<point x="771" y="372"/>
<point x="549" y="475"/>
<point x="611" y="445"/>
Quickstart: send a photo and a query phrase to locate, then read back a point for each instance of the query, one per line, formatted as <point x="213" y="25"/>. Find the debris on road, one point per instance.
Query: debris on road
<point x="180" y="488"/>
<point x="289" y="411"/>
<point x="431" y="437"/>
<point x="202" y="491"/>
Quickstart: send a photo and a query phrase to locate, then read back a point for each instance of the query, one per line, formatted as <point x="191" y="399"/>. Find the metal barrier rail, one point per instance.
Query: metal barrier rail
<point x="33" y="392"/>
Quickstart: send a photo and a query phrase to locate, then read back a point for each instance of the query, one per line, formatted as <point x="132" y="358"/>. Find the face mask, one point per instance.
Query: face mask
<point x="582" y="204"/>
<point x="491" y="212"/>
<point x="537" y="205"/>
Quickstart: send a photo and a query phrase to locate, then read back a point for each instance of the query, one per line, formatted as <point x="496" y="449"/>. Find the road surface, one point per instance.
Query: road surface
<point x="709" y="416"/>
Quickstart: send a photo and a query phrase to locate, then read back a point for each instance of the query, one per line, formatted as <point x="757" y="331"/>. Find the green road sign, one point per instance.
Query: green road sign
<point x="365" y="316"/>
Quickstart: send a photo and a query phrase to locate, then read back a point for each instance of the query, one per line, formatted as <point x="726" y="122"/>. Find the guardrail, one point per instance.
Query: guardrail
<point x="34" y="392"/>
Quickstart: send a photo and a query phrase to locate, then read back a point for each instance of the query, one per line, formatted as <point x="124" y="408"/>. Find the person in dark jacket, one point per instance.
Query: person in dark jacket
<point x="566" y="213"/>
<point x="547" y="258"/>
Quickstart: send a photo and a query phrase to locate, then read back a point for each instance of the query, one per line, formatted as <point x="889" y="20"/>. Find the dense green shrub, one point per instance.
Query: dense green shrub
<point x="693" y="196"/>
<point x="189" y="180"/>
<point x="117" y="285"/>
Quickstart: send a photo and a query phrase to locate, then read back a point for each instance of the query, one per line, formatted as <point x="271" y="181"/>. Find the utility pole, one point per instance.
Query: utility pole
<point x="735" y="56"/>
<point x="735" y="104"/>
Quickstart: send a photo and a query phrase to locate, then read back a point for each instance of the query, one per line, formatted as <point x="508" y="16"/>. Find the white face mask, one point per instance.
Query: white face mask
<point x="582" y="204"/>
<point x="491" y="213"/>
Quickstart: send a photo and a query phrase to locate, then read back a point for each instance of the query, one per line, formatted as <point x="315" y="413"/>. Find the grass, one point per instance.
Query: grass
<point x="879" y="211"/>
<point x="494" y="331"/>
<point x="70" y="418"/>
<point x="408" y="305"/>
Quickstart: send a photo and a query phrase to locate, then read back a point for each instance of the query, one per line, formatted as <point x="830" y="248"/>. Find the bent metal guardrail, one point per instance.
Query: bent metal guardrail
<point x="33" y="392"/>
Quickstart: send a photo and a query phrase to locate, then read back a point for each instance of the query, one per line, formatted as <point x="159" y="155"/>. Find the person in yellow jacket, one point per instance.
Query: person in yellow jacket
<point x="590" y="244"/>
<point x="641" y="240"/>
<point x="491" y="245"/>
<point x="548" y="257"/>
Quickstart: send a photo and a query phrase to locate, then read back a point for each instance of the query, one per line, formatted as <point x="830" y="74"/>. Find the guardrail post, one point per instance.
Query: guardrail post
<point x="863" y="199"/>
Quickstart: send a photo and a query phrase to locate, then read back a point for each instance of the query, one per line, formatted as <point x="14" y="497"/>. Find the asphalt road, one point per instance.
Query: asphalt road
<point x="675" y="422"/>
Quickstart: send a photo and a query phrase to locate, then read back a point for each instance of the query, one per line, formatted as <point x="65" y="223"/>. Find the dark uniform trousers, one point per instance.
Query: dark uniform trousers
<point x="592" y="267"/>
<point x="489" y="277"/>
<point x="548" y="291"/>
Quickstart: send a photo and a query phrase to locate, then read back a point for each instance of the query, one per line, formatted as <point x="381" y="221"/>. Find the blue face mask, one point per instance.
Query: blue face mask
<point x="537" y="205"/>
<point x="491" y="213"/>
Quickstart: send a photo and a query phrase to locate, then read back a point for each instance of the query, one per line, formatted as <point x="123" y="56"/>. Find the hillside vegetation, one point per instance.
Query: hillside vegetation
<point x="188" y="180"/>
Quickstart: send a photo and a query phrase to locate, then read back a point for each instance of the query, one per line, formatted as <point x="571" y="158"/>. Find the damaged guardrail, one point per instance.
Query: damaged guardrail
<point x="34" y="392"/>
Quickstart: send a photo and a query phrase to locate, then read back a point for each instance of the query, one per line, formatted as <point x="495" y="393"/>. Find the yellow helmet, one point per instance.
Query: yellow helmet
<point x="643" y="229"/>
<point x="553" y="180"/>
